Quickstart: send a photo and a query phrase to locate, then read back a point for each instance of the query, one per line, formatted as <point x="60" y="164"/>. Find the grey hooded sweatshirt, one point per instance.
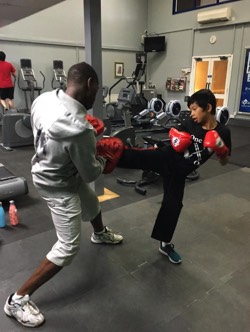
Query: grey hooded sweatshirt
<point x="65" y="145"/>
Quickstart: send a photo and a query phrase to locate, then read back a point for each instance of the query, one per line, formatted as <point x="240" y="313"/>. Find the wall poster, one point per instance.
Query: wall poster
<point x="245" y="90"/>
<point x="176" y="84"/>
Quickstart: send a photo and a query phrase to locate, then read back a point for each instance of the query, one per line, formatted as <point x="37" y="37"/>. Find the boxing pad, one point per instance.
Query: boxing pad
<point x="97" y="124"/>
<point x="180" y="140"/>
<point x="214" y="142"/>
<point x="111" y="148"/>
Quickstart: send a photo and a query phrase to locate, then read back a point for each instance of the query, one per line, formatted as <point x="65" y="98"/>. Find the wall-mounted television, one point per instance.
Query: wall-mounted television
<point x="154" y="44"/>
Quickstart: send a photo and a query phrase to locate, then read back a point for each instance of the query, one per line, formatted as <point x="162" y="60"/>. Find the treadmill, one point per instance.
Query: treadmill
<point x="10" y="185"/>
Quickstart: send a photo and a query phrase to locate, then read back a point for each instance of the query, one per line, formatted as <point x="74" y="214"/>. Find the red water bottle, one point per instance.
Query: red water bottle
<point x="13" y="214"/>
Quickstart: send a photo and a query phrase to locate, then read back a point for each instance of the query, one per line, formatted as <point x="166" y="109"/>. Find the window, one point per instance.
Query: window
<point x="180" y="6"/>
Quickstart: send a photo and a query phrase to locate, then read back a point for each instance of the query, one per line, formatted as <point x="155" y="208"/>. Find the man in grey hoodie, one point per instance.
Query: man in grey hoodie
<point x="64" y="164"/>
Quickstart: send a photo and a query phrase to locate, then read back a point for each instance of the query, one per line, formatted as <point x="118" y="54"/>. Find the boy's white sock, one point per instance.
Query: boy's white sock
<point x="164" y="244"/>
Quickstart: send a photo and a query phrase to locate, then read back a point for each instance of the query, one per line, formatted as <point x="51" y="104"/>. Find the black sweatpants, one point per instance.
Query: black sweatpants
<point x="162" y="162"/>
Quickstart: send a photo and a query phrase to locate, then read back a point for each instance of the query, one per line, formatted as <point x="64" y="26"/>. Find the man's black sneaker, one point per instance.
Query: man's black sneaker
<point x="169" y="251"/>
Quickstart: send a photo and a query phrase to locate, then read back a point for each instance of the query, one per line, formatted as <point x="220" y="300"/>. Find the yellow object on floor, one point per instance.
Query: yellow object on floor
<point x="108" y="194"/>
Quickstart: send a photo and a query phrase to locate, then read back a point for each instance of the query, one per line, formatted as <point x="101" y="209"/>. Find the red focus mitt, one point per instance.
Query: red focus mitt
<point x="111" y="149"/>
<point x="180" y="140"/>
<point x="97" y="124"/>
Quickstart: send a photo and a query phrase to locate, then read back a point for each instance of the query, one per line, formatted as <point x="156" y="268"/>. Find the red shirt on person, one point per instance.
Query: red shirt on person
<point x="6" y="68"/>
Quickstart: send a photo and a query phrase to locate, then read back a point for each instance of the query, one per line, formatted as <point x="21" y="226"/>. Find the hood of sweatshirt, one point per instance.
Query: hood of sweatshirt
<point x="59" y="115"/>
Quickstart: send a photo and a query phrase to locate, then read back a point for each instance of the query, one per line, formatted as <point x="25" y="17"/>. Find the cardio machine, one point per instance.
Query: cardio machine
<point x="124" y="129"/>
<point x="17" y="129"/>
<point x="10" y="185"/>
<point x="131" y="96"/>
<point x="59" y="75"/>
<point x="30" y="86"/>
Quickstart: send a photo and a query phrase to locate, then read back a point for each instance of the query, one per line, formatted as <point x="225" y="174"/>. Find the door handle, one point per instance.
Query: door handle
<point x="207" y="85"/>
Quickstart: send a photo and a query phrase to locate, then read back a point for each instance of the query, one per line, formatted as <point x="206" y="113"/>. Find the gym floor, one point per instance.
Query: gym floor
<point x="132" y="287"/>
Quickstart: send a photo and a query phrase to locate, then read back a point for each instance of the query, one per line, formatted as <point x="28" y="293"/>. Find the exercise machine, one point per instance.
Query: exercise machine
<point x="16" y="130"/>
<point x="132" y="94"/>
<point x="105" y="91"/>
<point x="125" y="130"/>
<point x="59" y="75"/>
<point x="10" y="185"/>
<point x="139" y="81"/>
<point x="150" y="120"/>
<point x="120" y="115"/>
<point x="222" y="115"/>
<point x="158" y="117"/>
<point x="30" y="86"/>
<point x="148" y="177"/>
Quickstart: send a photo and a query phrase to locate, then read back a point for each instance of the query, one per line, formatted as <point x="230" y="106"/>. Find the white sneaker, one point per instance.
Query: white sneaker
<point x="24" y="311"/>
<point x="108" y="236"/>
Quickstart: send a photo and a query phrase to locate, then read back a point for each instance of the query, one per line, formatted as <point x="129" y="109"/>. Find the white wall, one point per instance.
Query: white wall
<point x="57" y="33"/>
<point x="186" y="38"/>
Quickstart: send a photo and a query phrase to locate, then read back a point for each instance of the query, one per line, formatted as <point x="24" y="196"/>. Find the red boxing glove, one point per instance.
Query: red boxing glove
<point x="97" y="124"/>
<point x="214" y="142"/>
<point x="111" y="149"/>
<point x="180" y="140"/>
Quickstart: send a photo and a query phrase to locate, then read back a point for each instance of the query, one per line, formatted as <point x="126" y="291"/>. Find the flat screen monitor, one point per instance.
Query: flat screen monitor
<point x="126" y="95"/>
<point x="57" y="64"/>
<point x="25" y="63"/>
<point x="154" y="44"/>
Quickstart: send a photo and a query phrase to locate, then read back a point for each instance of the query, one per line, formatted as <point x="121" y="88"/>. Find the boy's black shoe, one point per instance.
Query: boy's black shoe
<point x="169" y="251"/>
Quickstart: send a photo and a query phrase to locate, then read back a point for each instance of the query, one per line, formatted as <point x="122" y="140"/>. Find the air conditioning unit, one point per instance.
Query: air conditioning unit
<point x="222" y="14"/>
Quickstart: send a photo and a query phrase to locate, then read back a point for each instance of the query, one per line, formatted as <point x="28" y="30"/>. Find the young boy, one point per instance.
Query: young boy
<point x="192" y="144"/>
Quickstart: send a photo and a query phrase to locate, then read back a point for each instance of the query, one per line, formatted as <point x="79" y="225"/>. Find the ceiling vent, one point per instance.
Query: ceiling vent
<point x="217" y="15"/>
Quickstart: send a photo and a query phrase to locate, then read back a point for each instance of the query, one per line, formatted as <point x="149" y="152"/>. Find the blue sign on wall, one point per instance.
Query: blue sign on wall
<point x="245" y="91"/>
